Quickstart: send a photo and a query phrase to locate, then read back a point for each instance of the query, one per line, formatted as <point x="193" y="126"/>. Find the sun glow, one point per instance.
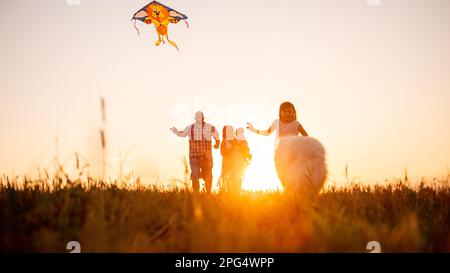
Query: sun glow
<point x="261" y="174"/>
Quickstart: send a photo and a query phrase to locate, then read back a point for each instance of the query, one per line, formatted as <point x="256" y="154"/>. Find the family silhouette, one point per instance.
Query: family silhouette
<point x="292" y="159"/>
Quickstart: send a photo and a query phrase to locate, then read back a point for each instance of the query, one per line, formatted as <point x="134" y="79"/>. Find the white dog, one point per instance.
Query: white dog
<point x="301" y="164"/>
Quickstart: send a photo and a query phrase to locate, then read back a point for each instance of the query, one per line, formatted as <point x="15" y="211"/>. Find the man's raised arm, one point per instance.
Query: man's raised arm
<point x="183" y="133"/>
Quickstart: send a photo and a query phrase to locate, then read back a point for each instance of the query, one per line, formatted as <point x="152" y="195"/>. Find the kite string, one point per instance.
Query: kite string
<point x="187" y="24"/>
<point x="136" y="27"/>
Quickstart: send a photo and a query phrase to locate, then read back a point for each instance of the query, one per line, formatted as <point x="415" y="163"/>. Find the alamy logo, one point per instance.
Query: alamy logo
<point x="73" y="2"/>
<point x="374" y="246"/>
<point x="74" y="246"/>
<point x="373" y="2"/>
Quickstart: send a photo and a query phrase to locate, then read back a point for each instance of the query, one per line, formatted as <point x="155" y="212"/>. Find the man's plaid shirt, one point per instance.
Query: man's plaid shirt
<point x="200" y="139"/>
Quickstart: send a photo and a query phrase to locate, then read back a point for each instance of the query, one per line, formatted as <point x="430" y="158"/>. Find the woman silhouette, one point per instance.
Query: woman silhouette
<point x="235" y="158"/>
<point x="299" y="159"/>
<point x="286" y="125"/>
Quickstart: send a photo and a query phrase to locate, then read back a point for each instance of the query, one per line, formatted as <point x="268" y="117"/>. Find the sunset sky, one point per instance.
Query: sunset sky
<point x="372" y="83"/>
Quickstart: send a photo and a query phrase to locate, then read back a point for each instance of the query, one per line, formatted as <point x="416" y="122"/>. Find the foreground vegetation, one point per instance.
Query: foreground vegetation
<point x="43" y="215"/>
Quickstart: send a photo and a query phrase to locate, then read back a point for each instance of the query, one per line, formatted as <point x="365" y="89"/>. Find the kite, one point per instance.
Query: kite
<point x="160" y="16"/>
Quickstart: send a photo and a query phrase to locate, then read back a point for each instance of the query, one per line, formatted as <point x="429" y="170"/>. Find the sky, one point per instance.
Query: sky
<point x="371" y="82"/>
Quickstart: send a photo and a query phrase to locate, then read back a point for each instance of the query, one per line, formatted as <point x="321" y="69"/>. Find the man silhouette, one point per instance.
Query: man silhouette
<point x="200" y="150"/>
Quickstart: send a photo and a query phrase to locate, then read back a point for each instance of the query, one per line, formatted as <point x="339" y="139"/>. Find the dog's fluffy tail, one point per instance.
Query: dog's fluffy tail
<point x="301" y="164"/>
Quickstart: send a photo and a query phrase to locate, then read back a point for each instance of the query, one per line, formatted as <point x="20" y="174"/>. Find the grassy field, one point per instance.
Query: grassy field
<point x="43" y="215"/>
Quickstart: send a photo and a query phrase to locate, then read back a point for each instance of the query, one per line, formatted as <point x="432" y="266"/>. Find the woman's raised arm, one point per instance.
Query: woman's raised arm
<point x="260" y="132"/>
<point x="302" y="130"/>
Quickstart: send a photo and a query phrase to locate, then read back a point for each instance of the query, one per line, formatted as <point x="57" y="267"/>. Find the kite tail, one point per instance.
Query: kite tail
<point x="187" y="24"/>
<point x="136" y="27"/>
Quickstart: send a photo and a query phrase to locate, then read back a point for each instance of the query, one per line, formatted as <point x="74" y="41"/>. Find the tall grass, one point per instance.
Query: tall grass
<point x="113" y="216"/>
<point x="103" y="135"/>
